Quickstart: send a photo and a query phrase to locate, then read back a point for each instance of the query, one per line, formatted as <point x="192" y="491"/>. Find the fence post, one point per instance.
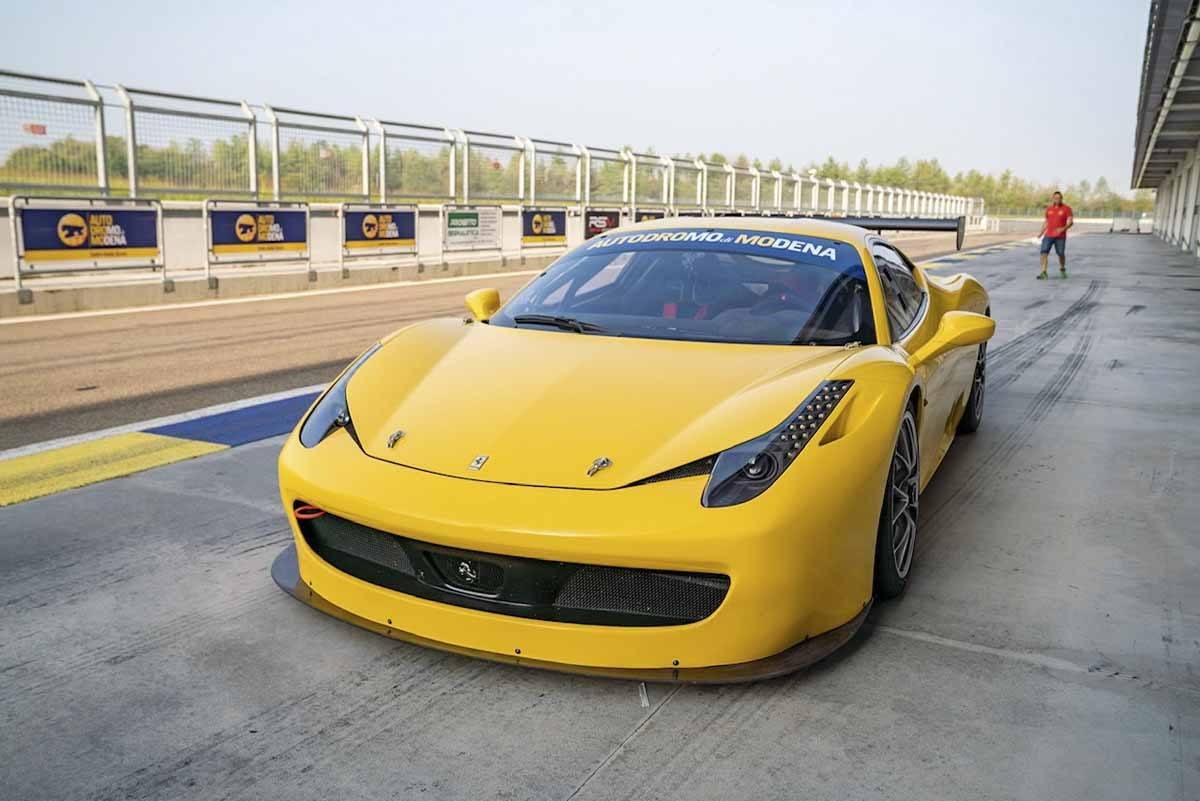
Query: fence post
<point x="585" y="167"/>
<point x="466" y="170"/>
<point x="755" y="188"/>
<point x="730" y="185"/>
<point x="251" y="147"/>
<point x="453" y="135"/>
<point x="365" y="150"/>
<point x="523" y="144"/>
<point x="130" y="139"/>
<point x="274" y="120"/>
<point x="530" y="148"/>
<point x="668" y="189"/>
<point x="101" y="148"/>
<point x="701" y="183"/>
<point x="382" y="159"/>
<point x="797" y="188"/>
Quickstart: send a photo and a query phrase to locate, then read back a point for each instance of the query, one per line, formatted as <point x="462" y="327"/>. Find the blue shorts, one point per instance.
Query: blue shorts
<point x="1059" y="243"/>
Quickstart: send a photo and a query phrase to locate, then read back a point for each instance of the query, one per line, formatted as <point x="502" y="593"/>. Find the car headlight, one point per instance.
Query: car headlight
<point x="331" y="410"/>
<point x="746" y="471"/>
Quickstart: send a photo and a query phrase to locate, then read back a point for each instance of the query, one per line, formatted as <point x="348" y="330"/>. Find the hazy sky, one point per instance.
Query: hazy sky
<point x="1046" y="88"/>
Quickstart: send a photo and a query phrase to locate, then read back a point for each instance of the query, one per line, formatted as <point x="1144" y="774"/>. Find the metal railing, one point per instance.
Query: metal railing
<point x="60" y="135"/>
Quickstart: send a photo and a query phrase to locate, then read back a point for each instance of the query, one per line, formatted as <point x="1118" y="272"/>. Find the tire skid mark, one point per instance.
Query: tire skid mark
<point x="988" y="465"/>
<point x="1026" y="349"/>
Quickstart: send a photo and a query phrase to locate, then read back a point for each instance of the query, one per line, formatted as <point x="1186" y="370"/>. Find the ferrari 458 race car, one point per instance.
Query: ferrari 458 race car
<point x="690" y="449"/>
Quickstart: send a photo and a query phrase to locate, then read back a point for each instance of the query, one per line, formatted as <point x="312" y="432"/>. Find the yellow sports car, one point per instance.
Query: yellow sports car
<point x="690" y="449"/>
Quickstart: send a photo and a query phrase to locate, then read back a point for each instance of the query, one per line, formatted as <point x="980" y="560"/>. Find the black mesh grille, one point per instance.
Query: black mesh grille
<point x="534" y="588"/>
<point x="700" y="467"/>
<point x="694" y="596"/>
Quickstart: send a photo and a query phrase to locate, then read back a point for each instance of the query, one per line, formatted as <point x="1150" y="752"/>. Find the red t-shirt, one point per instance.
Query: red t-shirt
<point x="1056" y="220"/>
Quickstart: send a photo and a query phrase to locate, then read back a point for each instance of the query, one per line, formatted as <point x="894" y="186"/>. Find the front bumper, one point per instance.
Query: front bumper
<point x="799" y="560"/>
<point x="285" y="570"/>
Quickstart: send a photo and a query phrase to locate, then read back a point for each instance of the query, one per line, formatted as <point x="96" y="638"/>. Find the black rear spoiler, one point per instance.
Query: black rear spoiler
<point x="956" y="224"/>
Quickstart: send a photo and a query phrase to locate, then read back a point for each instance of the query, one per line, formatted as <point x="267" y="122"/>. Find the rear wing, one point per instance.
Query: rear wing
<point x="956" y="224"/>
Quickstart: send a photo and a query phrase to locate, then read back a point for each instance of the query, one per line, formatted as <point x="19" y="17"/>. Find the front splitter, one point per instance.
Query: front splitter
<point x="286" y="572"/>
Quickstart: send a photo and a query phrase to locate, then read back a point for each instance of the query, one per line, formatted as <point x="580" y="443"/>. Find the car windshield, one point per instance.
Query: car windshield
<point x="702" y="284"/>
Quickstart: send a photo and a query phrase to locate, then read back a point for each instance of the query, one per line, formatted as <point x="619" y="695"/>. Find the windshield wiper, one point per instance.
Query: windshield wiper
<point x="565" y="323"/>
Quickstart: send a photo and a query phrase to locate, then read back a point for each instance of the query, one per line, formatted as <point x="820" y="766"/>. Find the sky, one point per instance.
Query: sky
<point x="1046" y="89"/>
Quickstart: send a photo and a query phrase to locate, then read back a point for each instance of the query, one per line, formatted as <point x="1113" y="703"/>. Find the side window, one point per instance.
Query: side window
<point x="902" y="292"/>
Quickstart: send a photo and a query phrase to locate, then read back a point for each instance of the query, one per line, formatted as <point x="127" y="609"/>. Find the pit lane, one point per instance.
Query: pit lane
<point x="1047" y="646"/>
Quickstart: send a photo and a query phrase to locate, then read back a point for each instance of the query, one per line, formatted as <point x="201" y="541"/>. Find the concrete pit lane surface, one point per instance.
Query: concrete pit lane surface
<point x="1047" y="647"/>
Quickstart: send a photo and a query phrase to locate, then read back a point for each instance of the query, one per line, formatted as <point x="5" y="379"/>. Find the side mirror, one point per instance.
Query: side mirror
<point x="957" y="329"/>
<point x="483" y="303"/>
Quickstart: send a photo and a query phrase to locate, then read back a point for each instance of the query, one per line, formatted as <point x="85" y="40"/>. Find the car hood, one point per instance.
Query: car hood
<point x="541" y="406"/>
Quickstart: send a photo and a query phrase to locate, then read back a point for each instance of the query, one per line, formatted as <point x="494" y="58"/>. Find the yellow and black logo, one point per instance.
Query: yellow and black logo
<point x="542" y="224"/>
<point x="246" y="227"/>
<point x="370" y="226"/>
<point x="72" y="230"/>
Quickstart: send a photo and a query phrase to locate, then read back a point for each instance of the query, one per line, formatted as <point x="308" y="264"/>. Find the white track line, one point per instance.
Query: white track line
<point x="42" y="318"/>
<point x="182" y="417"/>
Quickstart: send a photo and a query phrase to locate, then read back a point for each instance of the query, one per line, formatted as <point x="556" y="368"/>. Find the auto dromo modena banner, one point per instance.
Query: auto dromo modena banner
<point x="471" y="228"/>
<point x="544" y="227"/>
<point x="99" y="235"/>
<point x="265" y="231"/>
<point x="377" y="230"/>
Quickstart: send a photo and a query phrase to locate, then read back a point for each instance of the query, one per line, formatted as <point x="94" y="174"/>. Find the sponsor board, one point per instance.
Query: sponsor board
<point x="543" y="227"/>
<point x="599" y="221"/>
<point x="377" y="230"/>
<point x="264" y="231"/>
<point x="471" y="227"/>
<point x="642" y="215"/>
<point x="87" y="235"/>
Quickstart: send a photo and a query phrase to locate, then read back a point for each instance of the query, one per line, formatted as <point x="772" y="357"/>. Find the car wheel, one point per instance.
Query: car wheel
<point x="897" y="539"/>
<point x="973" y="414"/>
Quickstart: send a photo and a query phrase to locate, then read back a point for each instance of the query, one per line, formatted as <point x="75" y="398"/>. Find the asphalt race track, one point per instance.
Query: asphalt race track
<point x="1047" y="647"/>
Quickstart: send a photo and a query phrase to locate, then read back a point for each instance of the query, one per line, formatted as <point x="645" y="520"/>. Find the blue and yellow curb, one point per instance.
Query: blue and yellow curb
<point x="46" y="472"/>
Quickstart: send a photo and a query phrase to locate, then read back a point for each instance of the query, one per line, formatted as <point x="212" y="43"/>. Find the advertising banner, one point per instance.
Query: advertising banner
<point x="544" y="227"/>
<point x="70" y="237"/>
<point x="598" y="221"/>
<point x="378" y="230"/>
<point x="472" y="227"/>
<point x="649" y="214"/>
<point x="262" y="231"/>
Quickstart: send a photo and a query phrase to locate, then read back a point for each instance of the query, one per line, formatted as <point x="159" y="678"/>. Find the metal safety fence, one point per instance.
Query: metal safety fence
<point x="71" y="136"/>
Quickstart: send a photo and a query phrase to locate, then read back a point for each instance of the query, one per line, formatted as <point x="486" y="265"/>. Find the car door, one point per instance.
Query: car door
<point x="909" y="321"/>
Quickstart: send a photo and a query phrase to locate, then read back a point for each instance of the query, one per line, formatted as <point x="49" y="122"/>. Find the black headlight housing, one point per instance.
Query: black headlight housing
<point x="745" y="471"/>
<point x="331" y="410"/>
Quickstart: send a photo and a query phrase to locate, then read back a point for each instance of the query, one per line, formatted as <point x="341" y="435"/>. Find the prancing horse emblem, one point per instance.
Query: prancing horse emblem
<point x="477" y="463"/>
<point x="467" y="572"/>
<point x="599" y="465"/>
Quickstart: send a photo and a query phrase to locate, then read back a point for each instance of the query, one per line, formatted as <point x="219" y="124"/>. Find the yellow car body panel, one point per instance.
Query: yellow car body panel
<point x="543" y="404"/>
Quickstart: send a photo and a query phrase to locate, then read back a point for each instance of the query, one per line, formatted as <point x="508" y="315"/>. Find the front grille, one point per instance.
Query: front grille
<point x="533" y="588"/>
<point x="645" y="592"/>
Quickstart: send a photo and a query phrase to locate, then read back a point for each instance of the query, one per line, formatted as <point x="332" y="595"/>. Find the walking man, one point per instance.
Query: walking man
<point x="1054" y="233"/>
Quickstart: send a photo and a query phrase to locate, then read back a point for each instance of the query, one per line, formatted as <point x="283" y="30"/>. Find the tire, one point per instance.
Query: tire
<point x="897" y="538"/>
<point x="973" y="414"/>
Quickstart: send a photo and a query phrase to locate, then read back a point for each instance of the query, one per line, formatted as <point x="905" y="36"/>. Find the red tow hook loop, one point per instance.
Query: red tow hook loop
<point x="308" y="512"/>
